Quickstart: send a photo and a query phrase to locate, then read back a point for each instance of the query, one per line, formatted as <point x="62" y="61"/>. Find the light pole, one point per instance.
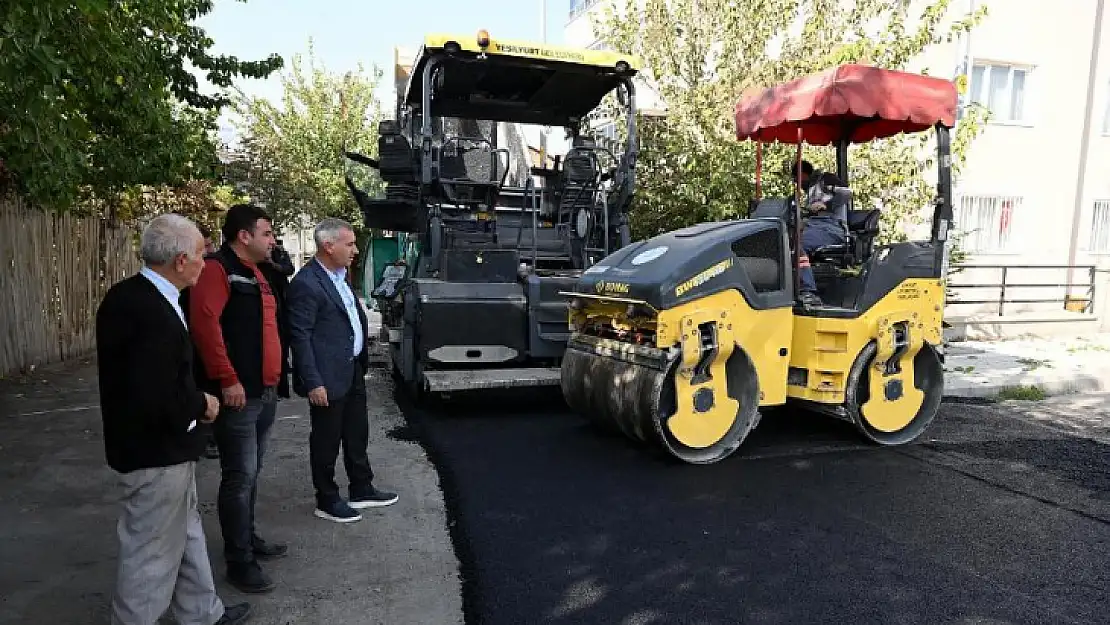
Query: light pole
<point x="1084" y="146"/>
<point x="543" y="35"/>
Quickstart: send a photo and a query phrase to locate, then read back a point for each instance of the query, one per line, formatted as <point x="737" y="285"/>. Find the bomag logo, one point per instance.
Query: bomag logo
<point x="620" y="288"/>
<point x="703" y="277"/>
<point x="538" y="51"/>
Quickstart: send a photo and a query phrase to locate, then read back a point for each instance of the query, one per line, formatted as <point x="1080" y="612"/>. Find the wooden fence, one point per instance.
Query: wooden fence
<point x="54" y="270"/>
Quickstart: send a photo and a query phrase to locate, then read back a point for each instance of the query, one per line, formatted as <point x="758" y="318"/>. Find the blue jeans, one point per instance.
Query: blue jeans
<point x="242" y="436"/>
<point x="817" y="233"/>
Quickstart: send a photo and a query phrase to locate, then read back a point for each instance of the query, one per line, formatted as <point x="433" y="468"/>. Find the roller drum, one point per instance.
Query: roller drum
<point x="617" y="390"/>
<point x="632" y="389"/>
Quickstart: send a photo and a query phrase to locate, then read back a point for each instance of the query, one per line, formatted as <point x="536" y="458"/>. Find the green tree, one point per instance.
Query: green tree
<point x="96" y="95"/>
<point x="292" y="154"/>
<point x="699" y="56"/>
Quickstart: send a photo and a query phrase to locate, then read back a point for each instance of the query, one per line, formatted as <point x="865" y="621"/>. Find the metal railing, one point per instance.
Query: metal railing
<point x="1004" y="284"/>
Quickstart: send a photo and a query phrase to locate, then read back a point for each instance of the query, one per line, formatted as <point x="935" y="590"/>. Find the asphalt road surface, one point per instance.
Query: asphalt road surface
<point x="990" y="518"/>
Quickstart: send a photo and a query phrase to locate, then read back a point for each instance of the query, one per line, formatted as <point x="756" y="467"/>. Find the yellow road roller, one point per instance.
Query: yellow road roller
<point x="681" y="339"/>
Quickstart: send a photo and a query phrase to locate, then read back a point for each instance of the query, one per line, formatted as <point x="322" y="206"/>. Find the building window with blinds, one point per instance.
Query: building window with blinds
<point x="984" y="223"/>
<point x="1099" y="241"/>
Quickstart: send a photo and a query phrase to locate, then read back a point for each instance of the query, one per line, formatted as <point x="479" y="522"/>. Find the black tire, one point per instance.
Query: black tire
<point x="415" y="386"/>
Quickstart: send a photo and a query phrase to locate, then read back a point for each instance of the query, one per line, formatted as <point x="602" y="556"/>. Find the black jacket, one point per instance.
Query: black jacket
<point x="148" y="396"/>
<point x="241" y="324"/>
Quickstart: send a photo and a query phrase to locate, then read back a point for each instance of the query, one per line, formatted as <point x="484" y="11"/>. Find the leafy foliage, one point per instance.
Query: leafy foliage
<point x="699" y="56"/>
<point x="292" y="155"/>
<point x="96" y="96"/>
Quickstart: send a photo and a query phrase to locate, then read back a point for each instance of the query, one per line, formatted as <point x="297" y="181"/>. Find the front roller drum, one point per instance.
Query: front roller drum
<point x="636" y="395"/>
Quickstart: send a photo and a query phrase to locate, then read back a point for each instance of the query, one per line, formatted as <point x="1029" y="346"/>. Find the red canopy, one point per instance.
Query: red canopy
<point x="855" y="102"/>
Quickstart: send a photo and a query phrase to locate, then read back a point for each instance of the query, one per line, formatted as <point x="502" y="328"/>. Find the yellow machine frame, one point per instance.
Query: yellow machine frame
<point x="484" y="44"/>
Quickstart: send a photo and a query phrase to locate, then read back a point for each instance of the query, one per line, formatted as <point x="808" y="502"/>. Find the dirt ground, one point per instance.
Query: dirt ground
<point x="58" y="508"/>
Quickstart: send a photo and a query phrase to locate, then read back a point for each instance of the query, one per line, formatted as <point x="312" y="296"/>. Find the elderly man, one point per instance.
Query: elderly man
<point x="327" y="331"/>
<point x="154" y="431"/>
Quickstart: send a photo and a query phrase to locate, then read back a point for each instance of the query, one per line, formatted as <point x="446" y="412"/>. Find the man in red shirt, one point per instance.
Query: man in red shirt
<point x="234" y="323"/>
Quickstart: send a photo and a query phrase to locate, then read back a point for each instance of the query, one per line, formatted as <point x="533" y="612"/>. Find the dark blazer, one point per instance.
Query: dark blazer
<point x="148" y="395"/>
<point x="320" y="334"/>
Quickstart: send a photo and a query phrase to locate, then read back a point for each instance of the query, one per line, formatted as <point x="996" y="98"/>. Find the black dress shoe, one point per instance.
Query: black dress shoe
<point x="268" y="551"/>
<point x="248" y="577"/>
<point x="235" y="614"/>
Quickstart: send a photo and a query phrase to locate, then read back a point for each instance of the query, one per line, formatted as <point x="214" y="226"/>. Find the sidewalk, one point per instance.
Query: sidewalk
<point x="986" y="369"/>
<point x="58" y="504"/>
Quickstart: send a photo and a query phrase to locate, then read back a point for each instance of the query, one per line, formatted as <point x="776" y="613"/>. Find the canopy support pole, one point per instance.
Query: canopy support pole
<point x="942" y="210"/>
<point x="842" y="160"/>
<point x="799" y="257"/>
<point x="758" y="170"/>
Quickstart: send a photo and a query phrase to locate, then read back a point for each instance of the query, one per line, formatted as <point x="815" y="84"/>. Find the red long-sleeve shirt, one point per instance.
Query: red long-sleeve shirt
<point x="207" y="302"/>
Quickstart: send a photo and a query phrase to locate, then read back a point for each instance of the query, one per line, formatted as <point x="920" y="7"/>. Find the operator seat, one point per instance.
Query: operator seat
<point x="397" y="163"/>
<point x="772" y="208"/>
<point x="863" y="227"/>
<point x="471" y="171"/>
<point x="580" y="179"/>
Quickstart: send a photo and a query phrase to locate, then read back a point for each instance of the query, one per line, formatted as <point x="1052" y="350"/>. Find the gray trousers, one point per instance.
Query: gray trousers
<point x="163" y="558"/>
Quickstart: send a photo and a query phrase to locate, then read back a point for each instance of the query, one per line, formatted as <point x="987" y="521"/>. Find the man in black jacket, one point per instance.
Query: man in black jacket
<point x="155" y="426"/>
<point x="233" y="316"/>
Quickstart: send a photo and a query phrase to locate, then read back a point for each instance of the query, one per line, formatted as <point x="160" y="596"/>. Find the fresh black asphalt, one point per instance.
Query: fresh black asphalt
<point x="987" y="519"/>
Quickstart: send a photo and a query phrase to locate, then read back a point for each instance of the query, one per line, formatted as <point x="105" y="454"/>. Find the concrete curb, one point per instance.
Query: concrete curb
<point x="958" y="386"/>
<point x="1056" y="367"/>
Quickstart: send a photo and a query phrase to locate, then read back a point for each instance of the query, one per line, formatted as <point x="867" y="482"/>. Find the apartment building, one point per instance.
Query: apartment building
<point x="1036" y="187"/>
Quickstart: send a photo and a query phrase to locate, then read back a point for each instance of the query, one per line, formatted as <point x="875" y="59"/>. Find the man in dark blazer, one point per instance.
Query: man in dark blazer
<point x="155" y="428"/>
<point x="328" y="335"/>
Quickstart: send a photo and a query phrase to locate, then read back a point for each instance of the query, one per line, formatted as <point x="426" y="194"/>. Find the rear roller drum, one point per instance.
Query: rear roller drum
<point x="888" y="410"/>
<point x="641" y="401"/>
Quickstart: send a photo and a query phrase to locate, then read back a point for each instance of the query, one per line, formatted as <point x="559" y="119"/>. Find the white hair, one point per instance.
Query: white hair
<point x="167" y="236"/>
<point x="327" y="231"/>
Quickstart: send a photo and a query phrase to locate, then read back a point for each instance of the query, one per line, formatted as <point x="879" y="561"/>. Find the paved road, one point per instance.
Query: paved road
<point x="994" y="517"/>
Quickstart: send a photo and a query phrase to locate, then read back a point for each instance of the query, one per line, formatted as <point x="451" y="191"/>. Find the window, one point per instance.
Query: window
<point x="1000" y="88"/>
<point x="1099" y="242"/>
<point x="984" y="223"/>
<point x="608" y="130"/>
<point x="607" y="135"/>
<point x="577" y="7"/>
